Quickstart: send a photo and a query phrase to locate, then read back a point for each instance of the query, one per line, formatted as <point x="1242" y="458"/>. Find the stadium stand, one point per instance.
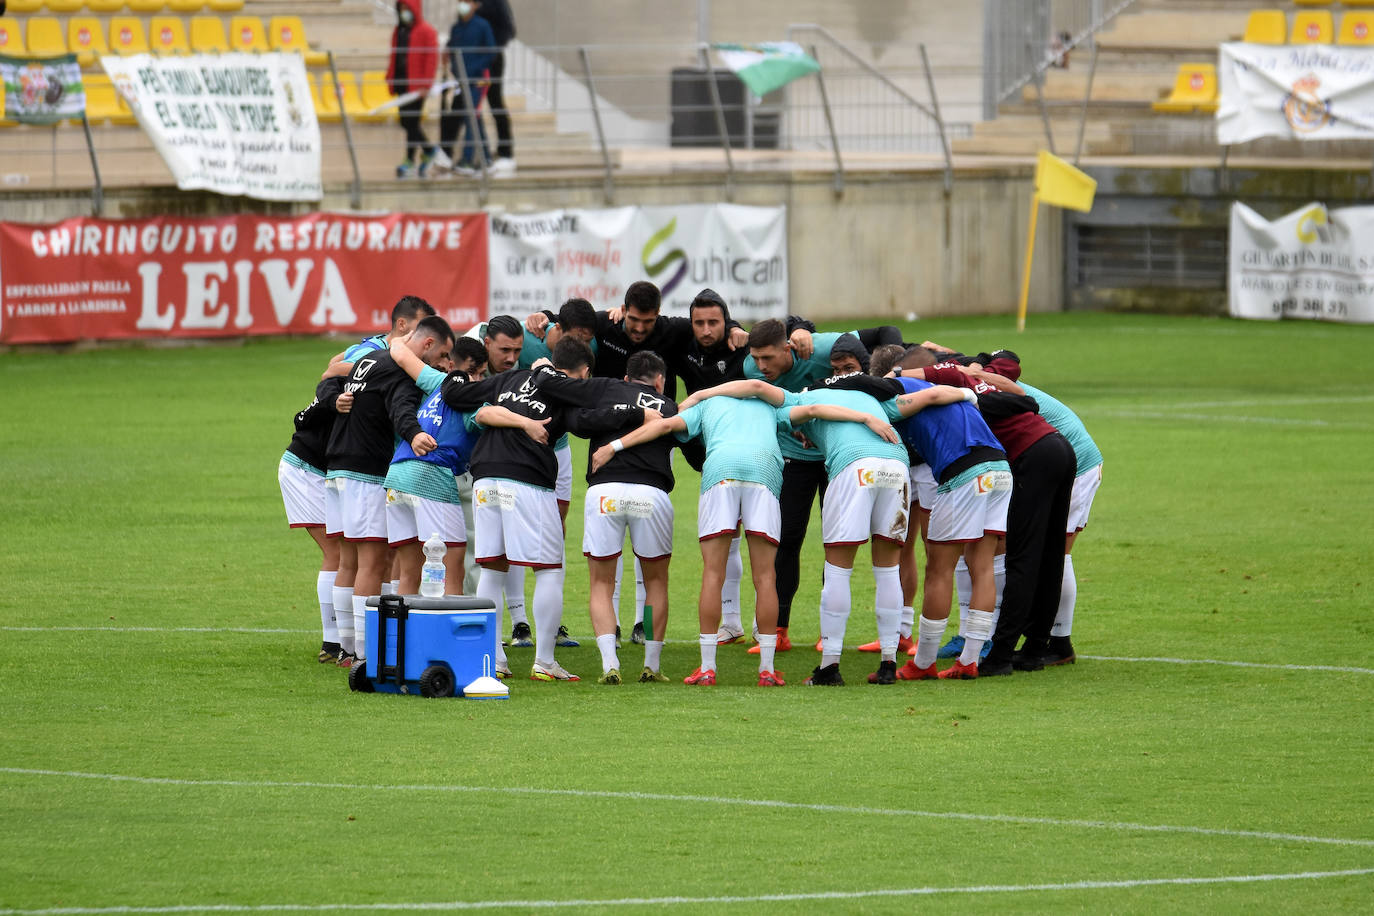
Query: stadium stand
<point x="1266" y="27"/>
<point x="287" y="33"/>
<point x="246" y="33"/>
<point x="26" y="6"/>
<point x="167" y="35"/>
<point x="127" y="35"/>
<point x="64" y="6"/>
<point x="146" y="6"/>
<point x="86" y="39"/>
<point x="1357" y="28"/>
<point x="372" y="84"/>
<point x="43" y="36"/>
<point x="1312" y="27"/>
<point x="207" y="35"/>
<point x="1195" y="89"/>
<point x="104" y="6"/>
<point x="326" y="98"/>
<point x="186" y="6"/>
<point x="11" y="36"/>
<point x="225" y="6"/>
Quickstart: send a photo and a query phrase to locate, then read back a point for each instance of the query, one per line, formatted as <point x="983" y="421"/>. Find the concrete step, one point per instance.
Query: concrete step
<point x="1185" y="31"/>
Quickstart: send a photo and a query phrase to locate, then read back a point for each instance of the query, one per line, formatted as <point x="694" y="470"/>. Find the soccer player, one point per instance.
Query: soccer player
<point x="360" y="447"/>
<point x="407" y="312"/>
<point x="514" y="507"/>
<point x="630" y="493"/>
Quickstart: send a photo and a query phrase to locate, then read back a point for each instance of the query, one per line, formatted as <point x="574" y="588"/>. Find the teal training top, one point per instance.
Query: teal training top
<point x="804" y="373"/>
<point x="1069" y="426"/>
<point x="740" y="444"/>
<point x="842" y="442"/>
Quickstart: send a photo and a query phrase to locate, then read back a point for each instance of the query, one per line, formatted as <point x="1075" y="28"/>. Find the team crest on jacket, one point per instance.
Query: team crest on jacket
<point x="649" y="402"/>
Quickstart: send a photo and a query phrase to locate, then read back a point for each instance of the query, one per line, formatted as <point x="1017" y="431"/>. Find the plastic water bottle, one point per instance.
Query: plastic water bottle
<point x="432" y="573"/>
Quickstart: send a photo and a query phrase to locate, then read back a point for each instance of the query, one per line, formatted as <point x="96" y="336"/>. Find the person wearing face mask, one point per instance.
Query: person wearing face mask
<point x="472" y="38"/>
<point x="414" y="61"/>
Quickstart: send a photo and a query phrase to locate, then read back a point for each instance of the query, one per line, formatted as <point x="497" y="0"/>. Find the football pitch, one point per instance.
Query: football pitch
<point x="170" y="745"/>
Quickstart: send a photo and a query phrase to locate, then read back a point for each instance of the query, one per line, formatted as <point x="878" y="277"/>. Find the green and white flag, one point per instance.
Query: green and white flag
<point x="42" y="91"/>
<point x="767" y="66"/>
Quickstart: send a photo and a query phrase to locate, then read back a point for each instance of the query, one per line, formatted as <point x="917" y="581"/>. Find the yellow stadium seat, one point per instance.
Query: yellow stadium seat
<point x="226" y="6"/>
<point x="1266" y="27"/>
<point x="207" y="35"/>
<point x="352" y="99"/>
<point x="64" y="6"/>
<point x="1357" y="2"/>
<point x="287" y="33"/>
<point x="44" y="37"/>
<point x="146" y="6"/>
<point x="100" y="98"/>
<point x="375" y="92"/>
<point x="1311" y="2"/>
<point x="24" y="6"/>
<point x="86" y="39"/>
<point x="186" y="6"/>
<point x="104" y="6"/>
<point x="1357" y="28"/>
<point x="326" y="99"/>
<point x="167" y="35"/>
<point x="247" y="34"/>
<point x="127" y="35"/>
<point x="11" y="37"/>
<point x="1195" y="89"/>
<point x="1312" y="27"/>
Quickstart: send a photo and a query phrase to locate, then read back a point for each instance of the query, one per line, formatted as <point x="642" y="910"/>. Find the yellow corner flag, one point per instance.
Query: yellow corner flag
<point x="1060" y="185"/>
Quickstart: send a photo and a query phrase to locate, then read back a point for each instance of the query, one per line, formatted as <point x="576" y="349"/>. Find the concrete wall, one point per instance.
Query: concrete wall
<point x="891" y="244"/>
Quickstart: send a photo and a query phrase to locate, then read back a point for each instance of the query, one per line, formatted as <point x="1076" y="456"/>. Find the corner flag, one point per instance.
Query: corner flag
<point x="1060" y="185"/>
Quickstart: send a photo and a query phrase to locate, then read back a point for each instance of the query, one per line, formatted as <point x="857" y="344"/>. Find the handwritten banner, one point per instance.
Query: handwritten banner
<point x="1303" y="92"/>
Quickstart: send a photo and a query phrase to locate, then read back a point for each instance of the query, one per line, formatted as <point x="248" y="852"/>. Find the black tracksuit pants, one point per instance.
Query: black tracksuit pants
<point x="1042" y="481"/>
<point x="802" y="483"/>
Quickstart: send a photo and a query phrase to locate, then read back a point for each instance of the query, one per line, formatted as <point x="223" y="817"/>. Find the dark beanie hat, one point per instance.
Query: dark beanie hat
<point x="848" y="343"/>
<point x="709" y="298"/>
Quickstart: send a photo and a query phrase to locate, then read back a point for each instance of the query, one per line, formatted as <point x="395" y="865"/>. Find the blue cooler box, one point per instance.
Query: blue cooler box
<point x="429" y="646"/>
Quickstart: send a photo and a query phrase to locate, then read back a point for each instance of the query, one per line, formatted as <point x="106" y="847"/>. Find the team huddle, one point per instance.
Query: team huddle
<point x="420" y="432"/>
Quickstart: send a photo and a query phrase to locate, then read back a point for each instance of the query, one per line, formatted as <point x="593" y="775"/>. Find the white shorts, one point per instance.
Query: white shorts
<point x="563" y="488"/>
<point x="517" y="521"/>
<point x="923" y="486"/>
<point x="1081" y="500"/>
<point x="977" y="508"/>
<point x="302" y="492"/>
<point x="333" y="508"/>
<point x="731" y="503"/>
<point x="611" y="508"/>
<point x="411" y="518"/>
<point x="364" y="509"/>
<point x="871" y="497"/>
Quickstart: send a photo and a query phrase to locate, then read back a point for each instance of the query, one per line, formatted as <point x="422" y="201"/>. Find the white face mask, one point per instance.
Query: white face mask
<point x="464" y="9"/>
<point x="407" y="17"/>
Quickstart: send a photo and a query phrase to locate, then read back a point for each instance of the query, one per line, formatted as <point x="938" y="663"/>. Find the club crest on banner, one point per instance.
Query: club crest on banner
<point x="1304" y="109"/>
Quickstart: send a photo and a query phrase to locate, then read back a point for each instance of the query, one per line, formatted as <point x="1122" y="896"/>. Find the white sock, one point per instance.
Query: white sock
<point x="548" y="612"/>
<point x="343" y="618"/>
<point x="615" y="592"/>
<point x="609" y="659"/>
<point x="324" y="592"/>
<point x="1068" y="597"/>
<point x="768" y="647"/>
<point x="653" y="654"/>
<point x="887" y="608"/>
<point x="514" y="591"/>
<point x="708" y="651"/>
<point x="729" y="592"/>
<point x="977" y="632"/>
<point x="641" y="595"/>
<point x="360" y="625"/>
<point x="929" y="633"/>
<point x="489" y="587"/>
<point x="999" y="580"/>
<point x="908" y="621"/>
<point x="963" y="587"/>
<point x="834" y="612"/>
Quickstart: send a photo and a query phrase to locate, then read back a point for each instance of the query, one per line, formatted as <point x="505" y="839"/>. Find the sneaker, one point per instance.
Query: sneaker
<point x="551" y="672"/>
<point x="886" y="673"/>
<point x="699" y="678"/>
<point x="617" y="636"/>
<point x="909" y="672"/>
<point x="829" y="676"/>
<point x="441" y="161"/>
<point x="784" y="644"/>
<point x="728" y="633"/>
<point x="904" y="644"/>
<point x="504" y="165"/>
<point x="345" y="659"/>
<point x="565" y="640"/>
<point x="503" y="670"/>
<point x="960" y="672"/>
<point x="405" y="170"/>
<point x="426" y="161"/>
<point x="1059" y="652"/>
<point x="637" y="634"/>
<point x="952" y="648"/>
<point x="610" y="678"/>
<point x="520" y="636"/>
<point x="329" y="653"/>
<point x="650" y="676"/>
<point x="466" y="167"/>
<point x="771" y="679"/>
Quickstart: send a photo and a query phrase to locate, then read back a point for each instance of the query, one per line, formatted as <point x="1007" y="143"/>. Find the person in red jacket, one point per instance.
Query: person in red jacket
<point x="414" y="61"/>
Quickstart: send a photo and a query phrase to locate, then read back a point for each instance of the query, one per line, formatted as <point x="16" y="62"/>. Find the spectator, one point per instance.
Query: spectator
<point x="498" y="13"/>
<point x="414" y="60"/>
<point x="472" y="38"/>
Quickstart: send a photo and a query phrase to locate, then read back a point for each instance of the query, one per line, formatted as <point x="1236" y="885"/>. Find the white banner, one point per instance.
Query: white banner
<point x="229" y="123"/>
<point x="1307" y="92"/>
<point x="538" y="260"/>
<point x="1313" y="263"/>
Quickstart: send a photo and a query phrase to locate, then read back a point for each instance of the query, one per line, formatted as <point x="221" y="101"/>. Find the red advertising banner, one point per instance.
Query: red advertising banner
<point x="231" y="276"/>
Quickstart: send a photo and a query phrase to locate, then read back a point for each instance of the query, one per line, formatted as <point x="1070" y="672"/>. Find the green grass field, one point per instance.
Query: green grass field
<point x="169" y="744"/>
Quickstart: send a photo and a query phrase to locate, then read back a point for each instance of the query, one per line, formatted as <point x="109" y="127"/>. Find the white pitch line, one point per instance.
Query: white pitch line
<point x="1217" y="661"/>
<point x="1121" y="826"/>
<point x="1276" y="401"/>
<point x="1226" y="418"/>
<point x="434" y="906"/>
